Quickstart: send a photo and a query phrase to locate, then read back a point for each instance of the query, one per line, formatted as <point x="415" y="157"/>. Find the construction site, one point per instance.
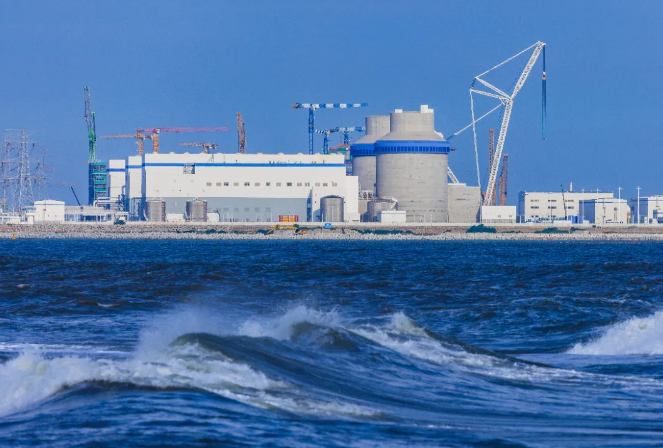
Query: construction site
<point x="398" y="173"/>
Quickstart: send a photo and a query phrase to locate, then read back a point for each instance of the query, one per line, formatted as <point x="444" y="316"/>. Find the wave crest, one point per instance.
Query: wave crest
<point x="636" y="336"/>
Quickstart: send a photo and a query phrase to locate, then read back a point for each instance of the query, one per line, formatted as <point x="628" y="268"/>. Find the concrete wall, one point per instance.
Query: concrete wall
<point x="364" y="168"/>
<point x="418" y="182"/>
<point x="464" y="203"/>
<point x="363" y="165"/>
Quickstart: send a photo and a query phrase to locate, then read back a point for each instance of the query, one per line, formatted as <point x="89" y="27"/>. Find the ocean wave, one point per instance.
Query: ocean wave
<point x="32" y="377"/>
<point x="636" y="336"/>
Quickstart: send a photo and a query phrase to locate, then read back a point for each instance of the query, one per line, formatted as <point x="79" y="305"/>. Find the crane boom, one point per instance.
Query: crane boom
<point x="507" y="101"/>
<point x="311" y="115"/>
<point x="452" y="176"/>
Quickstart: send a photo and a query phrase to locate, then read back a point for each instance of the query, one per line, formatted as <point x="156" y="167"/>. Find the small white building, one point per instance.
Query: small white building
<point x="606" y="211"/>
<point x="49" y="211"/>
<point x="549" y="206"/>
<point x="651" y="208"/>
<point x="498" y="214"/>
<point x="392" y="217"/>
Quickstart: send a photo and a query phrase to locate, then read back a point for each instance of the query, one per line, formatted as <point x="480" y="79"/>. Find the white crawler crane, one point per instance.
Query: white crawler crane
<point x="506" y="104"/>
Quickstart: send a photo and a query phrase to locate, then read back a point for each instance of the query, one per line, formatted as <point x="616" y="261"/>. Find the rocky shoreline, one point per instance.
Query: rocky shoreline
<point x="250" y="231"/>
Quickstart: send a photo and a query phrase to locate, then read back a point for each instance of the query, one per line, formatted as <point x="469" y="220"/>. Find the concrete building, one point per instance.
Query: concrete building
<point x="548" y="206"/>
<point x="242" y="187"/>
<point x="606" y="211"/>
<point x="392" y="217"/>
<point x="412" y="164"/>
<point x="464" y="203"/>
<point x="651" y="209"/>
<point x="498" y="214"/>
<point x="117" y="178"/>
<point x="363" y="151"/>
<point x="49" y="211"/>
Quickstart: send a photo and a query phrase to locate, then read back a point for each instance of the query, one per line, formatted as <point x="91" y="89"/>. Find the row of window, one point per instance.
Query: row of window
<point x="269" y="184"/>
<point x="570" y="207"/>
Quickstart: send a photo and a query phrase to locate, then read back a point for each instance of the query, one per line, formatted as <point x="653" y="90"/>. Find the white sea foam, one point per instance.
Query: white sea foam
<point x="636" y="336"/>
<point x="281" y="328"/>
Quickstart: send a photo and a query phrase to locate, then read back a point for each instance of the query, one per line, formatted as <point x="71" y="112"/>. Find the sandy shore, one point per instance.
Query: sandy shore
<point x="255" y="231"/>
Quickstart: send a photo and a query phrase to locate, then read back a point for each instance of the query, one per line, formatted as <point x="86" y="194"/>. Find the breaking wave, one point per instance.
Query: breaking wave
<point x="306" y="362"/>
<point x="636" y="336"/>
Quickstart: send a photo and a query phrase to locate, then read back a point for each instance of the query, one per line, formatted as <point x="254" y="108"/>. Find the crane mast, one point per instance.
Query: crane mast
<point x="504" y="178"/>
<point x="91" y="127"/>
<point x="241" y="138"/>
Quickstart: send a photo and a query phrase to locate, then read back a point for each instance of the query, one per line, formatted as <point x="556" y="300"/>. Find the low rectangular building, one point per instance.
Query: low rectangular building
<point x="606" y="211"/>
<point x="392" y="217"/>
<point x="550" y="206"/>
<point x="242" y="187"/>
<point x="498" y="214"/>
<point x="49" y="211"/>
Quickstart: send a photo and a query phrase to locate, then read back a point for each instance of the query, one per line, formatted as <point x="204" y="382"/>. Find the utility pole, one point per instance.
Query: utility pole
<point x="639" y="188"/>
<point x="619" y="205"/>
<point x="582" y="207"/>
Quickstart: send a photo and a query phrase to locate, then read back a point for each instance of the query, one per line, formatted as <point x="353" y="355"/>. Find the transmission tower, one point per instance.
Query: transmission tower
<point x="17" y="179"/>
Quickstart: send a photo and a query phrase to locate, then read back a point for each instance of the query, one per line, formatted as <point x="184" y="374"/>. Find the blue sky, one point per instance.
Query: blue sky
<point x="155" y="63"/>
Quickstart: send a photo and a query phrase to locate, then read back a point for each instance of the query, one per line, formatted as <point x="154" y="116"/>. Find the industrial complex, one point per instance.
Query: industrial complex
<point x="397" y="173"/>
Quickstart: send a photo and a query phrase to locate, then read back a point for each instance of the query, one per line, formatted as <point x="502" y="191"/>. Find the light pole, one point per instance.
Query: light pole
<point x="619" y="205"/>
<point x="582" y="208"/>
<point x="639" y="188"/>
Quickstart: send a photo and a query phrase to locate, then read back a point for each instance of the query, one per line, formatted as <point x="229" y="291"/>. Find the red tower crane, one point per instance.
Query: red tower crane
<point x="156" y="131"/>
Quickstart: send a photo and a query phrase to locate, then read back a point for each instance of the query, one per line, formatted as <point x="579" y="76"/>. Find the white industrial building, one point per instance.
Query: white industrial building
<point x="116" y="179"/>
<point x="650" y="210"/>
<point x="549" y="206"/>
<point x="605" y="211"/>
<point x="47" y="211"/>
<point x="498" y="214"/>
<point x="239" y="187"/>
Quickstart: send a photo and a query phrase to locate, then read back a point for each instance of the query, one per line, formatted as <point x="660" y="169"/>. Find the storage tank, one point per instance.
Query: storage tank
<point x="411" y="166"/>
<point x="331" y="209"/>
<point x="363" y="151"/>
<point x="196" y="210"/>
<point x="379" y="205"/>
<point x="155" y="210"/>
